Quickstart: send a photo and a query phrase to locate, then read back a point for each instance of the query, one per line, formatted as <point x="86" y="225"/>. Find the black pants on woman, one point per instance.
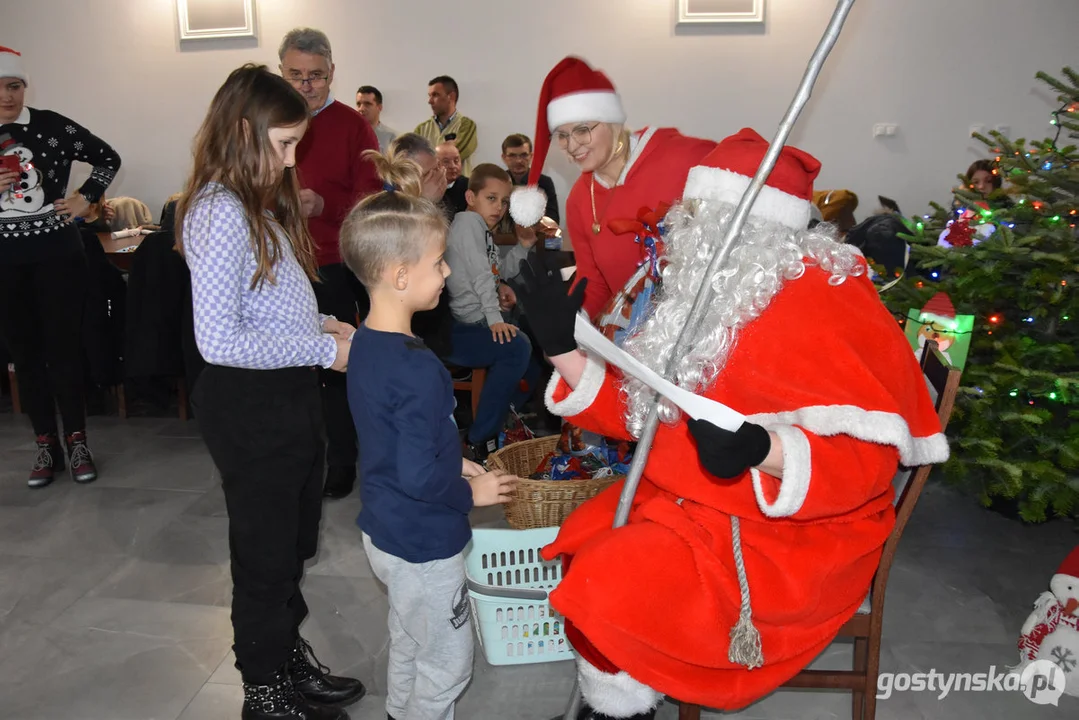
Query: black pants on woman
<point x="264" y="432"/>
<point x="41" y="307"/>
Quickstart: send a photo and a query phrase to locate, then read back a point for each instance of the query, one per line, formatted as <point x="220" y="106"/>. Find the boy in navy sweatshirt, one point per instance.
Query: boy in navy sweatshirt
<point x="417" y="490"/>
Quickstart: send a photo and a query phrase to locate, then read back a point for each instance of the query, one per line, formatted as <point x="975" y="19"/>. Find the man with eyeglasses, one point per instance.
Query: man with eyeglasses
<point x="517" y="155"/>
<point x="334" y="177"/>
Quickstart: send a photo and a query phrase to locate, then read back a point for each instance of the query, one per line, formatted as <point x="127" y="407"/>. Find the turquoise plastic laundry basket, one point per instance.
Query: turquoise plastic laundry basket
<point x="508" y="583"/>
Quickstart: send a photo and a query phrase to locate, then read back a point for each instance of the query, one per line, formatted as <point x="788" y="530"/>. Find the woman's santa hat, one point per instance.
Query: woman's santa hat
<point x="11" y="65"/>
<point x="572" y="93"/>
<point x="725" y="173"/>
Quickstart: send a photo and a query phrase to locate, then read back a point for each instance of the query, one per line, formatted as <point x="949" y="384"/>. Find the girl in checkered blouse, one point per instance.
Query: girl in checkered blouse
<point x="257" y="325"/>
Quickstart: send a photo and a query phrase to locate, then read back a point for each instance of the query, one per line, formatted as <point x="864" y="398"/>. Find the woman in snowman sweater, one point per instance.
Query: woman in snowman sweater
<point x="43" y="268"/>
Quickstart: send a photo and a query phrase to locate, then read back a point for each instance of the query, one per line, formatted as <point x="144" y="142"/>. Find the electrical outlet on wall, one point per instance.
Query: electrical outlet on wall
<point x="885" y="130"/>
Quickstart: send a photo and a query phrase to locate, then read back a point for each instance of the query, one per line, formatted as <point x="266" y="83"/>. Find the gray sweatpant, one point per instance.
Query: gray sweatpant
<point x="430" y="634"/>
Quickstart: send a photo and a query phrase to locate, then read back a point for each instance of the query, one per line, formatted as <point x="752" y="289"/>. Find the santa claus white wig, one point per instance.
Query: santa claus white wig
<point x="767" y="255"/>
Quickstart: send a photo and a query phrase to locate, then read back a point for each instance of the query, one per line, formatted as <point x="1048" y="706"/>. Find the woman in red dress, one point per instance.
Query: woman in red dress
<point x="621" y="173"/>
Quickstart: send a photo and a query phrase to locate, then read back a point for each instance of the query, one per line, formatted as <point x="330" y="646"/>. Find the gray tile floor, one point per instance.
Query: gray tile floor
<point x="114" y="599"/>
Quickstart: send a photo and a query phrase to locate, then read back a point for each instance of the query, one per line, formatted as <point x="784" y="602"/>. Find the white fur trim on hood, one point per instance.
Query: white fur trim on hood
<point x="772" y="205"/>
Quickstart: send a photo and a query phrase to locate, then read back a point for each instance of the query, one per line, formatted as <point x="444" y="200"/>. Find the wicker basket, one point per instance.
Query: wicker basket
<point x="542" y="503"/>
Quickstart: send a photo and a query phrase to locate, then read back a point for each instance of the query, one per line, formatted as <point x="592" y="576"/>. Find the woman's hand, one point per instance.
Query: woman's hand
<point x="506" y="297"/>
<point x="340" y="330"/>
<point x="7" y="179"/>
<point x="434" y="184"/>
<point x="340" y="361"/>
<point x="503" y="332"/>
<point x="526" y="236"/>
<point x="72" y="207"/>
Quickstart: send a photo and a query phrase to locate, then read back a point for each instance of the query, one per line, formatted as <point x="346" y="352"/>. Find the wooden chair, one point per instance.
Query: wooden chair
<point x="472" y="385"/>
<point x="117" y="393"/>
<point x="865" y="627"/>
<point x="16" y="404"/>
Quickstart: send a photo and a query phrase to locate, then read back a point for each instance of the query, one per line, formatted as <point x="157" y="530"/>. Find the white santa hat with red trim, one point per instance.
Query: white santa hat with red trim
<point x="725" y="173"/>
<point x="572" y="92"/>
<point x="11" y="65"/>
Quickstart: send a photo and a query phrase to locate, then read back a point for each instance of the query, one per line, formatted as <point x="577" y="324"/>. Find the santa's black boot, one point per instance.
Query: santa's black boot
<point x="275" y="698"/>
<point x="587" y="713"/>
<point x="314" y="682"/>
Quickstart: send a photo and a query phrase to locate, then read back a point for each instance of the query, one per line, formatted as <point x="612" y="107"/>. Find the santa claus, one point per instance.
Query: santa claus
<point x="745" y="551"/>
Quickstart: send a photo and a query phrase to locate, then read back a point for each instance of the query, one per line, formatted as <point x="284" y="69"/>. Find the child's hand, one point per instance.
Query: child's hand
<point x="340" y="330"/>
<point x="340" y="362"/>
<point x="506" y="297"/>
<point x="503" y="332"/>
<point x="492" y="488"/>
<point x="471" y="469"/>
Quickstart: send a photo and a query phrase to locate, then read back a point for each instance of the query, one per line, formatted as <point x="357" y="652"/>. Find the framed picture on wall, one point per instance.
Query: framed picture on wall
<point x="202" y="19"/>
<point x="720" y="11"/>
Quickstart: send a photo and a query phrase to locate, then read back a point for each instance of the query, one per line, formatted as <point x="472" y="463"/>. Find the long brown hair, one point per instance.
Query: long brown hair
<point x="233" y="148"/>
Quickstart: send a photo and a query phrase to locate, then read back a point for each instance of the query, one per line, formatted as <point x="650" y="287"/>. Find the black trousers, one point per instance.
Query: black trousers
<point x="339" y="294"/>
<point x="263" y="430"/>
<point x="41" y="307"/>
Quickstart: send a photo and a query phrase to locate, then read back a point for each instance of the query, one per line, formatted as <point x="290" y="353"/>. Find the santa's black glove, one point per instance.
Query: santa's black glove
<point x="550" y="306"/>
<point x="728" y="454"/>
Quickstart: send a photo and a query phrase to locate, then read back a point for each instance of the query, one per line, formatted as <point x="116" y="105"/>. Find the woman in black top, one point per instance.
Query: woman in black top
<point x="43" y="266"/>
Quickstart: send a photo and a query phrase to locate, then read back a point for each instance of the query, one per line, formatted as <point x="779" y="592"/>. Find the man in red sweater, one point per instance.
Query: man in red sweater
<point x="334" y="177"/>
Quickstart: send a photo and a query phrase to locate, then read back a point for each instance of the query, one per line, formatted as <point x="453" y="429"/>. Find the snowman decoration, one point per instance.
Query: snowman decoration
<point x="26" y="196"/>
<point x="1052" y="630"/>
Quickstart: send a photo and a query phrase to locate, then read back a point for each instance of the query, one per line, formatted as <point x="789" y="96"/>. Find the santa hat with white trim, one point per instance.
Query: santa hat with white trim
<point x="725" y="173"/>
<point x="11" y="65"/>
<point x="572" y="92"/>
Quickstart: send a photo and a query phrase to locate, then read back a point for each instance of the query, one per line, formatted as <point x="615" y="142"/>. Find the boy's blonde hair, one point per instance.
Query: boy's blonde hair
<point x="392" y="226"/>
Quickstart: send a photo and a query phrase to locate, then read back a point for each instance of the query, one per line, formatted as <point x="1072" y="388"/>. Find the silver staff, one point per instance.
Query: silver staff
<point x="704" y="295"/>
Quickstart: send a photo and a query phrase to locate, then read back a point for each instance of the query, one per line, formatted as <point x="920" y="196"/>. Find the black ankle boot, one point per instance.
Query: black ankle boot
<point x="277" y="699"/>
<point x="313" y="681"/>
<point x="339" y="481"/>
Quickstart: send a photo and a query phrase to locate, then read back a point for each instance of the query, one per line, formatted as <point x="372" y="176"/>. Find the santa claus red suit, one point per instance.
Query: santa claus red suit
<point x="719" y="590"/>
<point x="656" y="163"/>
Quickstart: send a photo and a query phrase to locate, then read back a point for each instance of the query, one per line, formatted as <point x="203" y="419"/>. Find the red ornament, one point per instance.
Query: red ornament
<point x="960" y="233"/>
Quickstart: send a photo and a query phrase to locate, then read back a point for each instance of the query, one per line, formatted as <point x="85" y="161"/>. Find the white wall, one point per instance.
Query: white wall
<point x="934" y="67"/>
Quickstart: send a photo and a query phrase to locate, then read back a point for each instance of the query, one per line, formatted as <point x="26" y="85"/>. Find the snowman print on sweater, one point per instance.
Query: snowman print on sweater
<point x="26" y="196"/>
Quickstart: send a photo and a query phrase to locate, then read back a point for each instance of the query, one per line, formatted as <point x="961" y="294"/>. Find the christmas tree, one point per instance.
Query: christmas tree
<point x="1014" y="265"/>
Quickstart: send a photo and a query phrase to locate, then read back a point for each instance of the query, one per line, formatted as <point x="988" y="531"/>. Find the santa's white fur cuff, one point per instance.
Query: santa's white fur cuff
<point x="616" y="695"/>
<point x="797" y="470"/>
<point x="582" y="397"/>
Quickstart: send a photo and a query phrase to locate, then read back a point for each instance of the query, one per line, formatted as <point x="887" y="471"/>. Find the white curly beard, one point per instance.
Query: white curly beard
<point x="765" y="256"/>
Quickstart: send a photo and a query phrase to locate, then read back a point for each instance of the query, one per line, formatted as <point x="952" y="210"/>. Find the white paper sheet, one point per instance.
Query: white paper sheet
<point x="697" y="407"/>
